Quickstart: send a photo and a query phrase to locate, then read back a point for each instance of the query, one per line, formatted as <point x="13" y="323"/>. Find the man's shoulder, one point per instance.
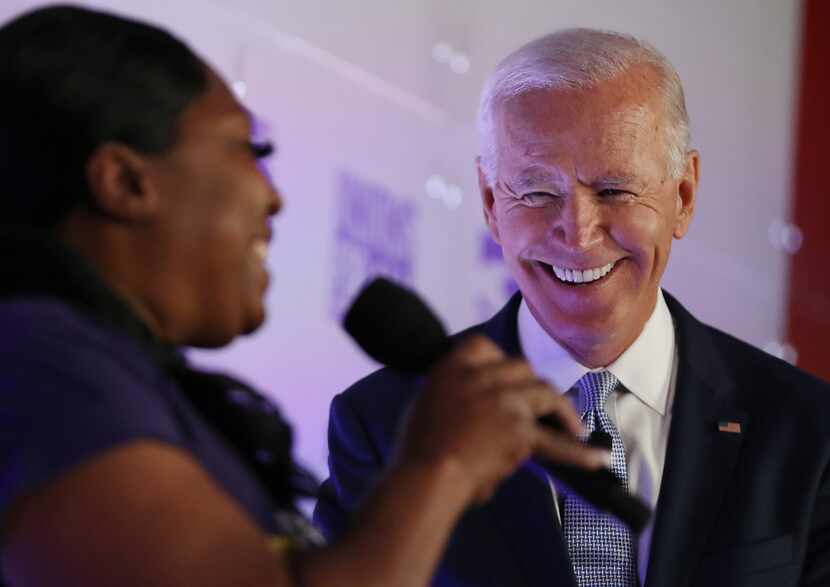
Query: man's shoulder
<point x="384" y="385"/>
<point x="748" y="364"/>
<point x="765" y="367"/>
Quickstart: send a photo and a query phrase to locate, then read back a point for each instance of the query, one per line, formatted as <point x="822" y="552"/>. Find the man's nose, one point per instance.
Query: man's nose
<point x="577" y="225"/>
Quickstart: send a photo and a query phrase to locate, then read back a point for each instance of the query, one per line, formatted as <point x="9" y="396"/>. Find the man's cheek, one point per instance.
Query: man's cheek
<point x="640" y="229"/>
<point x="522" y="231"/>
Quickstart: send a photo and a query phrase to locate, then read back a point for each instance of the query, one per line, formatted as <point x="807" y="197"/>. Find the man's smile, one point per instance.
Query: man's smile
<point x="579" y="276"/>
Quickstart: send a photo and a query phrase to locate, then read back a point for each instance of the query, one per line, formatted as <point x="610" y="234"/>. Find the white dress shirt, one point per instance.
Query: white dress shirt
<point x="640" y="408"/>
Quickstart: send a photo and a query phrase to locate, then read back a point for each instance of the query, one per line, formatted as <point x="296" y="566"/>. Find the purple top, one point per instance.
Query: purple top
<point x="71" y="390"/>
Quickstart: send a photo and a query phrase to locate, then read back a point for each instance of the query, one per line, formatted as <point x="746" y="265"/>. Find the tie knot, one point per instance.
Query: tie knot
<point x="596" y="387"/>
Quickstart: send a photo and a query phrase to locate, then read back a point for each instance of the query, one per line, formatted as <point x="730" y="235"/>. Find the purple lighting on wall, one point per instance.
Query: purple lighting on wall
<point x="374" y="235"/>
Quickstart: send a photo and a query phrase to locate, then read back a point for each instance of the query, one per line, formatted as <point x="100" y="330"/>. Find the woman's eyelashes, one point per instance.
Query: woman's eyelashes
<point x="262" y="149"/>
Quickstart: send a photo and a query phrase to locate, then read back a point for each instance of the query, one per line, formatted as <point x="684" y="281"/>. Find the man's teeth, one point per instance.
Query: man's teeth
<point x="260" y="249"/>
<point x="581" y="275"/>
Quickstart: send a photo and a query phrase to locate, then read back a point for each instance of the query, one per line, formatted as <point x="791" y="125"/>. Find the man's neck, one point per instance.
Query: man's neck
<point x="597" y="350"/>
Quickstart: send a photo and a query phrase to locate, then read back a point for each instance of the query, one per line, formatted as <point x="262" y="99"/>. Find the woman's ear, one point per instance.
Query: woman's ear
<point x="119" y="184"/>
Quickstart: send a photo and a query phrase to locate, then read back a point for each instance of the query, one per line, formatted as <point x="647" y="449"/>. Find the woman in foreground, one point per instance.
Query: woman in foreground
<point x="136" y="221"/>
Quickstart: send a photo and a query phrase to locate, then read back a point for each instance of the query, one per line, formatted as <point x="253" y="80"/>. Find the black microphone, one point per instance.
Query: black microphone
<point x="397" y="329"/>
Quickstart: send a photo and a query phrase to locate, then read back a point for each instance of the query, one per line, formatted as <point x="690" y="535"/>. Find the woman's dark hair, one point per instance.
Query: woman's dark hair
<point x="70" y="80"/>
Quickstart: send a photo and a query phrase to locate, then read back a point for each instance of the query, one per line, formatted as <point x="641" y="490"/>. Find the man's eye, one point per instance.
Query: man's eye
<point x="612" y="192"/>
<point x="261" y="150"/>
<point x="538" y="198"/>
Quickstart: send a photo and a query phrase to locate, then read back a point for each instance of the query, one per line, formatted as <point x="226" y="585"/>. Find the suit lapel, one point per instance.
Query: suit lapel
<point x="522" y="508"/>
<point x="700" y="457"/>
<point x="524" y="514"/>
<point x="503" y="328"/>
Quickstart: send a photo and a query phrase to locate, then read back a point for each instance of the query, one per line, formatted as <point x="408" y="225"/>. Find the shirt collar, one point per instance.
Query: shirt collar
<point x="644" y="368"/>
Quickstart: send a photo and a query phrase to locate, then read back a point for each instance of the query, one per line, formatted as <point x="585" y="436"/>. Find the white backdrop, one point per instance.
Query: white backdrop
<point x="372" y="105"/>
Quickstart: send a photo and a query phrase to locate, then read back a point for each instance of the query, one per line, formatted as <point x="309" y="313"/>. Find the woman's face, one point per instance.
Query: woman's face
<point x="211" y="236"/>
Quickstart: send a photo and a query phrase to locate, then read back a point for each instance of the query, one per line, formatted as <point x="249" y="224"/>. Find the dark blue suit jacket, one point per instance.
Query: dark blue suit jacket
<point x="734" y="509"/>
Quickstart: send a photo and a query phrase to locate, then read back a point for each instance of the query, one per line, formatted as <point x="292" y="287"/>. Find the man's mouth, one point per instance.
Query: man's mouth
<point x="573" y="276"/>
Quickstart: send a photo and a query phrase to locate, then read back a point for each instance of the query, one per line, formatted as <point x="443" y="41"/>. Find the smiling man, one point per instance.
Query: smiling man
<point x="586" y="178"/>
<point x="585" y="204"/>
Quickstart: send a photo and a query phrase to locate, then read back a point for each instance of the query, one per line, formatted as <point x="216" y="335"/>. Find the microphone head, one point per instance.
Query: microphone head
<point x="395" y="327"/>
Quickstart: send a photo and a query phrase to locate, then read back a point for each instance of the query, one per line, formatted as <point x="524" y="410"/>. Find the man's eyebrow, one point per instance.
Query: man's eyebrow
<point x="615" y="179"/>
<point x="532" y="177"/>
<point x="535" y="176"/>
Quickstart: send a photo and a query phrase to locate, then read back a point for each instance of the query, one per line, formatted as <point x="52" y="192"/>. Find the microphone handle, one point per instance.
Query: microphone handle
<point x="603" y="490"/>
<point x="600" y="488"/>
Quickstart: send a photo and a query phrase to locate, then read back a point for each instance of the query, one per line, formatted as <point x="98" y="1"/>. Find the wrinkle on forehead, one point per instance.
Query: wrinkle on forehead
<point x="621" y="123"/>
<point x="629" y="124"/>
<point x="541" y="135"/>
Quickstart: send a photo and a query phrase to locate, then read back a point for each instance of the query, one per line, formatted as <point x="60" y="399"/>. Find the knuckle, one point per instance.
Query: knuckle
<point x="514" y="405"/>
<point x="475" y="343"/>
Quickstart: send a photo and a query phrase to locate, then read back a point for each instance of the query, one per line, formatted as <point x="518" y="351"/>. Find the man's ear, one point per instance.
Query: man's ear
<point x="687" y="194"/>
<point x="487" y="202"/>
<point x="119" y="184"/>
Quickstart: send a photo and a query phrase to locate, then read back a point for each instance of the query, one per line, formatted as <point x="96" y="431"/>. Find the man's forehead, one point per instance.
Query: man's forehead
<point x="535" y="129"/>
<point x="545" y="144"/>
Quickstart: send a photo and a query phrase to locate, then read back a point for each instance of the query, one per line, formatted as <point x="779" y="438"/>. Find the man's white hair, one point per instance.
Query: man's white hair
<point x="581" y="58"/>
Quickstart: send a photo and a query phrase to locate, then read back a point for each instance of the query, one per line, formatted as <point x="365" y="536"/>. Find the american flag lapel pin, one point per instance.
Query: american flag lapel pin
<point x="730" y="427"/>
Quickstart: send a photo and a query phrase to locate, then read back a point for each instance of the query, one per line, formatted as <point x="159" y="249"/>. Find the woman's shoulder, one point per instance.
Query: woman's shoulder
<point x="71" y="390"/>
<point x="42" y="336"/>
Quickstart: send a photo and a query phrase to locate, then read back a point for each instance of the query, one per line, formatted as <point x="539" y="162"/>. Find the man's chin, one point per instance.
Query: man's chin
<point x="581" y="319"/>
